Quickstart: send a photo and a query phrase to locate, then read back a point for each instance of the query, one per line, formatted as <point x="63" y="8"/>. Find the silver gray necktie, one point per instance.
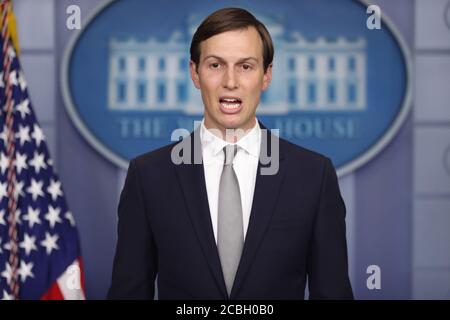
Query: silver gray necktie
<point x="230" y="230"/>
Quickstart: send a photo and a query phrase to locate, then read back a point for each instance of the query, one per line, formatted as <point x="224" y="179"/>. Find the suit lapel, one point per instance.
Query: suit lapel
<point x="266" y="193"/>
<point x="192" y="181"/>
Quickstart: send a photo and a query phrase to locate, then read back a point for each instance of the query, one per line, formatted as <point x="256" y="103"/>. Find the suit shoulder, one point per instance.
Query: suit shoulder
<point x="302" y="153"/>
<point x="307" y="165"/>
<point x="156" y="158"/>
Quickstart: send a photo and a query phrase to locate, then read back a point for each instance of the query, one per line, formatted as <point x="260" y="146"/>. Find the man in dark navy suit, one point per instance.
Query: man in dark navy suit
<point x="231" y="211"/>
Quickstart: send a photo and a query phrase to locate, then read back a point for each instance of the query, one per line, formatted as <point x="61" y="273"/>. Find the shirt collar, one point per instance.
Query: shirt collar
<point x="212" y="145"/>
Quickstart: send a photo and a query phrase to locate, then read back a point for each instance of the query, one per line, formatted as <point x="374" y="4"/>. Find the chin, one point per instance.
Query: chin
<point x="232" y="124"/>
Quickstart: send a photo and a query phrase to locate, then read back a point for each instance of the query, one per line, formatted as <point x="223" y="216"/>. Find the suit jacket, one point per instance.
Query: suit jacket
<point x="296" y="231"/>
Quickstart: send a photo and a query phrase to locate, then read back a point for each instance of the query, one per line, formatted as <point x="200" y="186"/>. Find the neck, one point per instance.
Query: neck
<point x="231" y="135"/>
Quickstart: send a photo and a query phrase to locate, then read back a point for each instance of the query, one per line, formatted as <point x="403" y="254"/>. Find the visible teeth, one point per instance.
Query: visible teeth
<point x="231" y="105"/>
<point x="230" y="100"/>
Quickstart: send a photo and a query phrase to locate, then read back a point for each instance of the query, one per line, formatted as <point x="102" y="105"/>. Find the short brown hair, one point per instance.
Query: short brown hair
<point x="228" y="19"/>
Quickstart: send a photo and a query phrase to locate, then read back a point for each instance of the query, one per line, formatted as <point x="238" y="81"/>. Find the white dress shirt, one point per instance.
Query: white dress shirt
<point x="245" y="165"/>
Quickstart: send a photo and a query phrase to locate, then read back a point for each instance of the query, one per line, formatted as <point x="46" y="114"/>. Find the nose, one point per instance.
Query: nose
<point x="230" y="80"/>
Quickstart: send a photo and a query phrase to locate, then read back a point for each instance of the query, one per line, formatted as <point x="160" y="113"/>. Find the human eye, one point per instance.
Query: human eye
<point x="246" y="67"/>
<point x="214" y="65"/>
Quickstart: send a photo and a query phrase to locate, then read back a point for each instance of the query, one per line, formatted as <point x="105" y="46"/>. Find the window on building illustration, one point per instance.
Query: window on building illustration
<point x="331" y="64"/>
<point x="141" y="64"/>
<point x="351" y="64"/>
<point x="291" y="64"/>
<point x="122" y="64"/>
<point x="121" y="91"/>
<point x="161" y="64"/>
<point x="351" y="92"/>
<point x="292" y="91"/>
<point x="181" y="92"/>
<point x="331" y="91"/>
<point x="311" y="92"/>
<point x="161" y="92"/>
<point x="142" y="91"/>
<point x="311" y="64"/>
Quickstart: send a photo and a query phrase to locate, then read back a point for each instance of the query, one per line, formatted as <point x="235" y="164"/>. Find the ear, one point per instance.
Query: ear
<point x="267" y="78"/>
<point x="194" y="74"/>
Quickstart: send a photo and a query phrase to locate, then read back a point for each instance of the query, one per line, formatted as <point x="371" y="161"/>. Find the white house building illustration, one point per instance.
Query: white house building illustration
<point x="308" y="74"/>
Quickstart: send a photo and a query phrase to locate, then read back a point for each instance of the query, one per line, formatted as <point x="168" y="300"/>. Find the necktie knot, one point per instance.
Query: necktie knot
<point x="230" y="151"/>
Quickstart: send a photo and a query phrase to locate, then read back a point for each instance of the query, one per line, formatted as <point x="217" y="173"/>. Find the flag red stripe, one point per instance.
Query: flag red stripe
<point x="54" y="293"/>
<point x="81" y="265"/>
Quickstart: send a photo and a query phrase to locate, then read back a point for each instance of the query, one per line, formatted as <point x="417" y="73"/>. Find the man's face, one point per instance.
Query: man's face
<point x="231" y="77"/>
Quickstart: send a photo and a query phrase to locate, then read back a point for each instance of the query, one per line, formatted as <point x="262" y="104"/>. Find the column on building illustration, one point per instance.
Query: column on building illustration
<point x="308" y="74"/>
<point x="149" y="74"/>
<point x="356" y="86"/>
<point x="325" y="74"/>
<point x="118" y="86"/>
<point x="141" y="84"/>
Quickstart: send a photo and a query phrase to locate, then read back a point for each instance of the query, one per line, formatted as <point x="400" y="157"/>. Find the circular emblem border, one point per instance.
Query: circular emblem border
<point x="341" y="171"/>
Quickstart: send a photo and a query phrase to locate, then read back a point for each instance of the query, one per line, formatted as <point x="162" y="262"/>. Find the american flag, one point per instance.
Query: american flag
<point x="39" y="248"/>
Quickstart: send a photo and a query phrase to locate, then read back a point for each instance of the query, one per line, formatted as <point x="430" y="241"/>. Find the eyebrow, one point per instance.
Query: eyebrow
<point x="239" y="61"/>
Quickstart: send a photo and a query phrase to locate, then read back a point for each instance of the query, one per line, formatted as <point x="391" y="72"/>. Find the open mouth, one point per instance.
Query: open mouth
<point x="230" y="104"/>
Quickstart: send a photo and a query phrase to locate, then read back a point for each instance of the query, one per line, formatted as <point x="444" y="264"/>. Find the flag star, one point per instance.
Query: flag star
<point x="7" y="296"/>
<point x="3" y="192"/>
<point x="38" y="162"/>
<point x="23" y="108"/>
<point x="23" y="134"/>
<point x="7" y="273"/>
<point x="69" y="217"/>
<point x="2" y="83"/>
<point x="28" y="244"/>
<point x="18" y="221"/>
<point x="19" y="191"/>
<point x="53" y="216"/>
<point x="32" y="217"/>
<point x="21" y="162"/>
<point x="13" y="78"/>
<point x="22" y="82"/>
<point x="11" y="52"/>
<point x="35" y="189"/>
<point x="25" y="270"/>
<point x="3" y="135"/>
<point x="55" y="189"/>
<point x="38" y="135"/>
<point x="50" y="242"/>
<point x="4" y="162"/>
<point x="2" y="217"/>
<point x="8" y="245"/>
